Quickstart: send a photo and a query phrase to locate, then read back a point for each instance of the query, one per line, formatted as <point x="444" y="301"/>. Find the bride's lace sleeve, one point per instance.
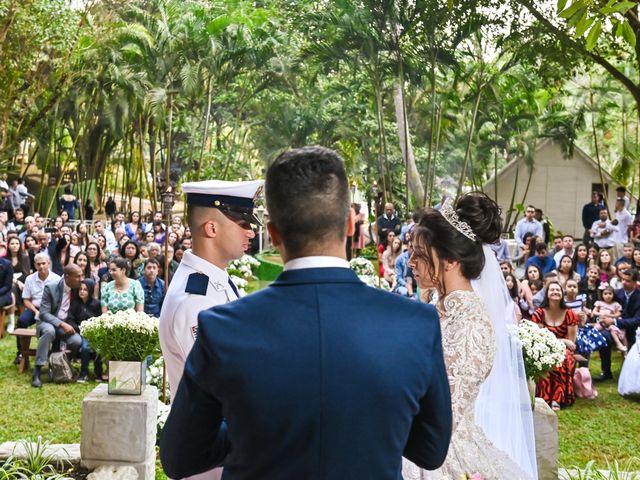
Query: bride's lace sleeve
<point x="469" y="348"/>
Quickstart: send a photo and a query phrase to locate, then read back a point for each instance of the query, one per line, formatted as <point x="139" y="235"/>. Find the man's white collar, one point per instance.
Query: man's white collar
<point x="318" y="261"/>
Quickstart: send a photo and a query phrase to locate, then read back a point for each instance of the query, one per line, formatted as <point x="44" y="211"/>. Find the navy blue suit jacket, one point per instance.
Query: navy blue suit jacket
<point x="630" y="317"/>
<point x="318" y="376"/>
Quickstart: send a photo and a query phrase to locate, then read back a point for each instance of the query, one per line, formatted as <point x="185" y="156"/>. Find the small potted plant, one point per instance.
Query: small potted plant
<point x="125" y="339"/>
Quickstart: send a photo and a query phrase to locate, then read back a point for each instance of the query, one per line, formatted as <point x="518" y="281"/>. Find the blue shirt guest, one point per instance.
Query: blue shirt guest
<point x="528" y="225"/>
<point x="541" y="260"/>
<point x="289" y="382"/>
<point x="153" y="287"/>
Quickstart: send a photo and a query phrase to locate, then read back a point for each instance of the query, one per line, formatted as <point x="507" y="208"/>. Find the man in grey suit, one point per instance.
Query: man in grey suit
<point x="54" y="308"/>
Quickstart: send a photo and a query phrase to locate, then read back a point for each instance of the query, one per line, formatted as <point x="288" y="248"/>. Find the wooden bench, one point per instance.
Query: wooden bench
<point x="24" y="336"/>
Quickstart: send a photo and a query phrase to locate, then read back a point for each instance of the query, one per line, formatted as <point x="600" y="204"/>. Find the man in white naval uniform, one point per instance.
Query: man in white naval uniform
<point x="221" y="220"/>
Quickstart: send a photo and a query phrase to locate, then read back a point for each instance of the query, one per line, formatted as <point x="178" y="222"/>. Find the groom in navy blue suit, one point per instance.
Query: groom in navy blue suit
<point x="317" y="376"/>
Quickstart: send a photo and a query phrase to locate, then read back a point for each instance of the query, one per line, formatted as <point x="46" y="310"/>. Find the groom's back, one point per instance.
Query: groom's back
<point x="323" y="379"/>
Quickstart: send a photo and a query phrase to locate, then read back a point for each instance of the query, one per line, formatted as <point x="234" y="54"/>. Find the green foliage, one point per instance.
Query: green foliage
<point x="38" y="464"/>
<point x="614" y="471"/>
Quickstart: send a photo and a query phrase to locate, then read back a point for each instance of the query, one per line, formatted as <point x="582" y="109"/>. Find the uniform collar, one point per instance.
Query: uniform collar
<point x="199" y="264"/>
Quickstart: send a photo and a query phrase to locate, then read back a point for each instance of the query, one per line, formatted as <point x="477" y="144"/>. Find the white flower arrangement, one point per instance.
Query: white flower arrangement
<point x="362" y="267"/>
<point x="244" y="267"/>
<point x="161" y="418"/>
<point x="241" y="283"/>
<point x="126" y="335"/>
<point x="154" y="375"/>
<point x="367" y="273"/>
<point x="375" y="282"/>
<point x="541" y="350"/>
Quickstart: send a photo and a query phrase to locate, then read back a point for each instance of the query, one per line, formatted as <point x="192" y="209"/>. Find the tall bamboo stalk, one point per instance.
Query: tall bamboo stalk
<point x="467" y="153"/>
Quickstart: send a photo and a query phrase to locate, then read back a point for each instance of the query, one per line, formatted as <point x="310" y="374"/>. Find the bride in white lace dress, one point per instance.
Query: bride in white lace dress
<point x="447" y="254"/>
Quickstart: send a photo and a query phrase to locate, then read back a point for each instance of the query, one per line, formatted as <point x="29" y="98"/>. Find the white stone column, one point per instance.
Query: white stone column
<point x="545" y="425"/>
<point x="120" y="430"/>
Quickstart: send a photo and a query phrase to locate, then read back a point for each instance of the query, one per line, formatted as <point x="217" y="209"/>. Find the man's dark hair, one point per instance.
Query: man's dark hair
<point x="621" y="189"/>
<point x="151" y="261"/>
<point x="633" y="273"/>
<point x="541" y="247"/>
<point x="549" y="275"/>
<point x="307" y="194"/>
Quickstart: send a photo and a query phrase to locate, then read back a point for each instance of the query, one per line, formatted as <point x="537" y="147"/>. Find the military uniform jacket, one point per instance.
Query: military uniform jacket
<point x="318" y="377"/>
<point x="196" y="286"/>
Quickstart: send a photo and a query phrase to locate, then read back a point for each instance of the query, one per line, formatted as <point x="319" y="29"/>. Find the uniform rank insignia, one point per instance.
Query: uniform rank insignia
<point x="197" y="284"/>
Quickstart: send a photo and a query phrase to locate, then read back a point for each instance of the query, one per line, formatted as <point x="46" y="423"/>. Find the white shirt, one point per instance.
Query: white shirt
<point x="603" y="236"/>
<point x="625" y="220"/>
<point x="558" y="256"/>
<point x="318" y="261"/>
<point x="34" y="287"/>
<point x="179" y="314"/>
<point x="65" y="303"/>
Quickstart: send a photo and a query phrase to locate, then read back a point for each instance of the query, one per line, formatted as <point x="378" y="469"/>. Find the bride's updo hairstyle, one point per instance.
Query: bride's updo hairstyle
<point x="435" y="232"/>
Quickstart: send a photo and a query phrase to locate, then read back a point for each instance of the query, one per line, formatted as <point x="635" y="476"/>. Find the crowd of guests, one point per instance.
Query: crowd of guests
<point x="58" y="272"/>
<point x="585" y="293"/>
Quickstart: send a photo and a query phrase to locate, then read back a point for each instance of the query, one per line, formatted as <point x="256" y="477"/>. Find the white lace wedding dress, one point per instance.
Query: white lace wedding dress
<point x="469" y="347"/>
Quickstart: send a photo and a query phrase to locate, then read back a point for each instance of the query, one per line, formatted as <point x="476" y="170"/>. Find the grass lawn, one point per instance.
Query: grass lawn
<point x="602" y="429"/>
<point x="605" y="428"/>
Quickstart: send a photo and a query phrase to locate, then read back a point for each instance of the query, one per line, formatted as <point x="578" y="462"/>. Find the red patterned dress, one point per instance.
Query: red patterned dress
<point x="558" y="384"/>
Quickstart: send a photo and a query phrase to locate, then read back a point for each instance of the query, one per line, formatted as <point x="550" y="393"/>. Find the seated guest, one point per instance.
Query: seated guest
<point x="604" y="263"/>
<point x="405" y="284"/>
<point x="540" y="295"/>
<point x="566" y="271"/>
<point x="122" y="293"/>
<point x="627" y="254"/>
<point x="51" y="325"/>
<point x="153" y="287"/>
<point x="501" y="250"/>
<point x="567" y="249"/>
<point x="557" y="387"/>
<point x="581" y="260"/>
<point x="7" y="301"/>
<point x="32" y="292"/>
<point x="629" y="297"/>
<point x="544" y="262"/>
<point x="82" y="308"/>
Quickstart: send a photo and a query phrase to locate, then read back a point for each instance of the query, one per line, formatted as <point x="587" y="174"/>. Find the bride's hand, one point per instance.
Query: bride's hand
<point x="570" y="345"/>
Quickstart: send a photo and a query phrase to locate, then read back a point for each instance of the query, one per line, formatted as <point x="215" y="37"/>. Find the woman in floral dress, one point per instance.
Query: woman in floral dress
<point x="557" y="387"/>
<point x="122" y="293"/>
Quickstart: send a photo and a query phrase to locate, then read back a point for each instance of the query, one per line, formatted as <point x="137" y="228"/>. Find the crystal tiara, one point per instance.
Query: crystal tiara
<point x="451" y="216"/>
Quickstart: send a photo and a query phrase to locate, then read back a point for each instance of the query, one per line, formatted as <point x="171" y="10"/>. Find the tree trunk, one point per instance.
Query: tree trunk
<point x="413" y="177"/>
<point x="467" y="153"/>
<point x="597" y="152"/>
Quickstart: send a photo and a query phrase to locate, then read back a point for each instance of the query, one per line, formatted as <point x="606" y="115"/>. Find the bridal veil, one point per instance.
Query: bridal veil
<point x="503" y="406"/>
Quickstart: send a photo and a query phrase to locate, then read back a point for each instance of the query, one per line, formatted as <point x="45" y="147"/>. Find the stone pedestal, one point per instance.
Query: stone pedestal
<point x="120" y="430"/>
<point x="545" y="425"/>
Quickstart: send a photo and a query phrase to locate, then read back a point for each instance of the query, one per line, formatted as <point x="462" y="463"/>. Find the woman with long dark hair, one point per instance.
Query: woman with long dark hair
<point x="20" y="263"/>
<point x="123" y="293"/>
<point x="557" y="387"/>
<point x="450" y="249"/>
<point x="83" y="307"/>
